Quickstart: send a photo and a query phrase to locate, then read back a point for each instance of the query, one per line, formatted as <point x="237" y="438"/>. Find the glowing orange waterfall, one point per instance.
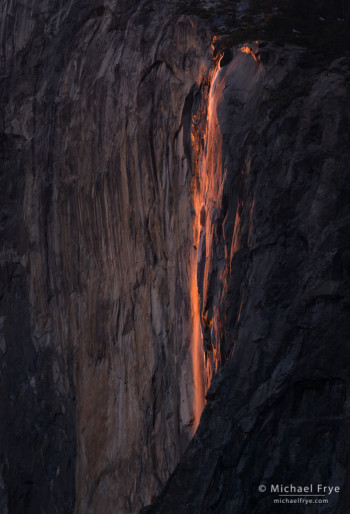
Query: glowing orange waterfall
<point x="197" y="352"/>
<point x="206" y="141"/>
<point x="207" y="191"/>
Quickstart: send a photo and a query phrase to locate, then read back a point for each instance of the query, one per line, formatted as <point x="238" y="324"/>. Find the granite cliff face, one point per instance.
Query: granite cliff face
<point x="96" y="218"/>
<point x="149" y="196"/>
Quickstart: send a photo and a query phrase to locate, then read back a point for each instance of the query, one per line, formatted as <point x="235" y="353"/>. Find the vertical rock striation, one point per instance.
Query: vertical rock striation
<point x="96" y="372"/>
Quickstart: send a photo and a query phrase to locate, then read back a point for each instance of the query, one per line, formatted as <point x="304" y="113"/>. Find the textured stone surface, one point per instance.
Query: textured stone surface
<point x="96" y="219"/>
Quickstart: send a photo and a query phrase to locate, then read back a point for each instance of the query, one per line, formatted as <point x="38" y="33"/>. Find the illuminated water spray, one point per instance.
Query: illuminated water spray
<point x="206" y="141"/>
<point x="207" y="190"/>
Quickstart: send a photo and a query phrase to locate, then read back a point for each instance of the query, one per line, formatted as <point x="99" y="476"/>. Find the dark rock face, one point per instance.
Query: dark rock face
<point x="96" y="205"/>
<point x="37" y="443"/>
<point x="96" y="242"/>
<point x="277" y="411"/>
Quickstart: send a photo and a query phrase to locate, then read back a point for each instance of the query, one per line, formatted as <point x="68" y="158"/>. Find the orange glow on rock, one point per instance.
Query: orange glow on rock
<point x="248" y="50"/>
<point x="235" y="245"/>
